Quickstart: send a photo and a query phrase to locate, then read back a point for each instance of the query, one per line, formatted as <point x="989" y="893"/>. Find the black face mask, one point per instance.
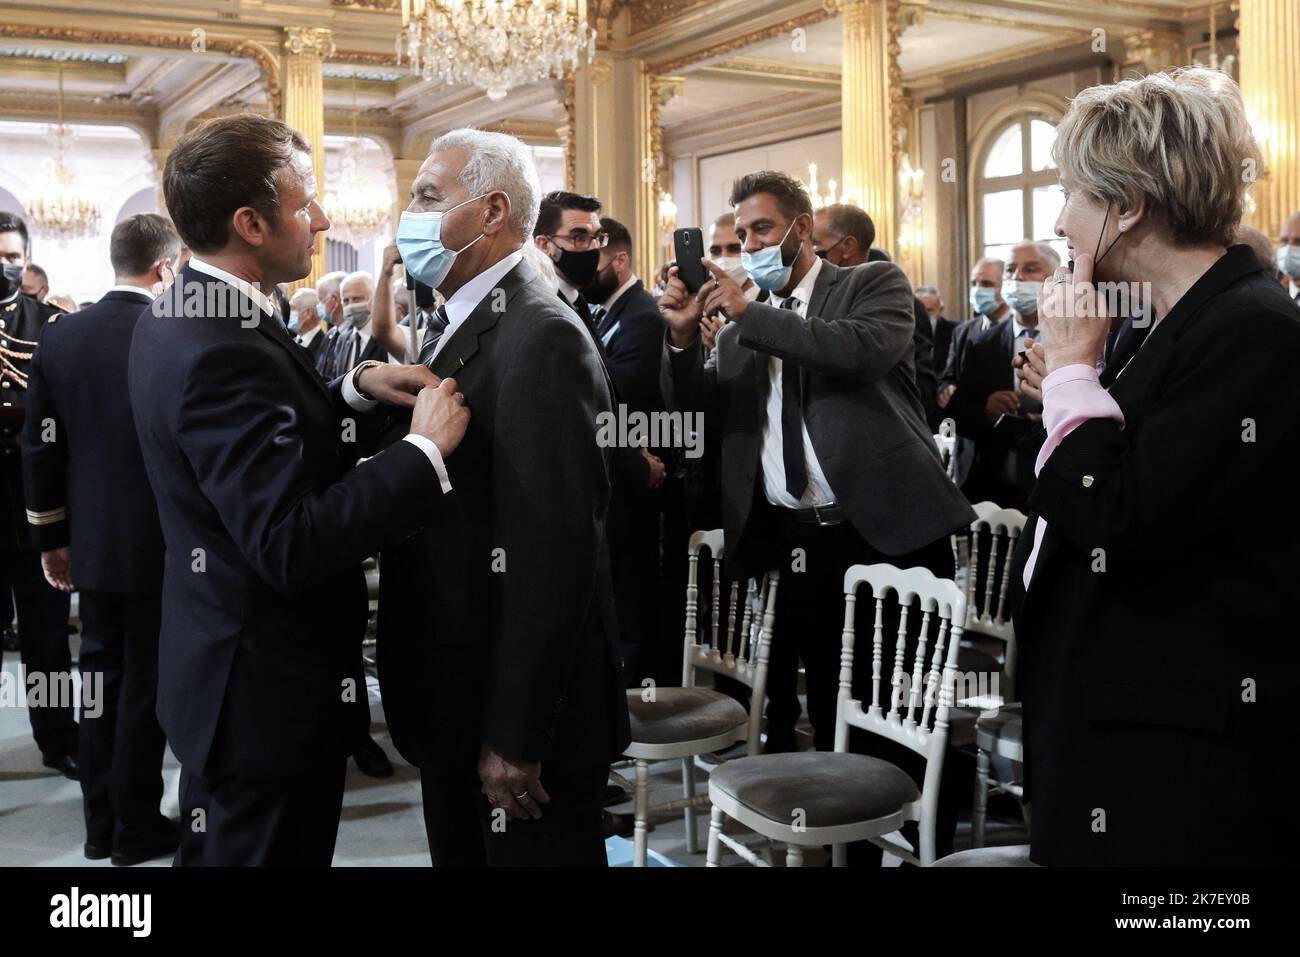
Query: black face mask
<point x="603" y="285"/>
<point x="423" y="295"/>
<point x="578" y="267"/>
<point x="11" y="281"/>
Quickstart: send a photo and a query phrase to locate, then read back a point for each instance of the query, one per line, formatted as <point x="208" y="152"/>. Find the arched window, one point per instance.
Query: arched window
<point x="1016" y="193"/>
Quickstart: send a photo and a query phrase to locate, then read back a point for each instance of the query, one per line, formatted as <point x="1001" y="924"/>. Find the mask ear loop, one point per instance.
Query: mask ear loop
<point x="1095" y="258"/>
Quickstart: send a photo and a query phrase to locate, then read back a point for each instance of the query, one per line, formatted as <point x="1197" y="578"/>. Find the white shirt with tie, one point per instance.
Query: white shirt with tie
<point x="602" y="311"/>
<point x="818" y="491"/>
<point x="466" y="299"/>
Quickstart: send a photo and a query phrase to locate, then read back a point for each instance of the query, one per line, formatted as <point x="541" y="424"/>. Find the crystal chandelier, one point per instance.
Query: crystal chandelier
<point x="358" y="211"/>
<point x="494" y="44"/>
<point x="61" y="211"/>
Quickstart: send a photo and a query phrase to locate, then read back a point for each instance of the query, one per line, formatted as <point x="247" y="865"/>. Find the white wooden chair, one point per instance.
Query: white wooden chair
<point x="684" y="722"/>
<point x="946" y="442"/>
<point x="811" y="798"/>
<point x="999" y="732"/>
<point x="1001" y="529"/>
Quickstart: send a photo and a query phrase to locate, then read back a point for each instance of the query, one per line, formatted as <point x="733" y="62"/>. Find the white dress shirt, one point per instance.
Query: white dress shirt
<point x="139" y="291"/>
<point x="466" y="299"/>
<point x="772" y="453"/>
<point x="305" y="338"/>
<point x="350" y="394"/>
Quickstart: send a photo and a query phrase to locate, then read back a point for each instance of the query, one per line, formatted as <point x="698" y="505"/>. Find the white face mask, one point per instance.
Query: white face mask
<point x="733" y="267"/>
<point x="1022" y="295"/>
<point x="1288" y="260"/>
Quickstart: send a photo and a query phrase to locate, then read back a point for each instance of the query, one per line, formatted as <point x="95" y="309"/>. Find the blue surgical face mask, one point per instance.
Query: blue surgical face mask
<point x="1288" y="260"/>
<point x="320" y="311"/>
<point x="293" y="324"/>
<point x="1022" y="295"/>
<point x="419" y="241"/>
<point x="984" y="300"/>
<point x="767" y="266"/>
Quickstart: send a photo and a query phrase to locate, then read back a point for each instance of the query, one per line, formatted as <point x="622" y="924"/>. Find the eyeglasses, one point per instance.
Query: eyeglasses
<point x="581" y="240"/>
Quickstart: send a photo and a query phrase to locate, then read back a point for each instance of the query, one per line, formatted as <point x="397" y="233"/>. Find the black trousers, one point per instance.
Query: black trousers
<point x="634" y="561"/>
<point x="122" y="745"/>
<point x="292" y="822"/>
<point x="43" y="646"/>
<point x="810" y="605"/>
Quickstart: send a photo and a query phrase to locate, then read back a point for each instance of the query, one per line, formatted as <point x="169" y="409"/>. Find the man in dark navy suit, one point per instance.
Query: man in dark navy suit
<point x="266" y="520"/>
<point x="42" y="609"/>
<point x="93" y="517"/>
<point x="627" y="323"/>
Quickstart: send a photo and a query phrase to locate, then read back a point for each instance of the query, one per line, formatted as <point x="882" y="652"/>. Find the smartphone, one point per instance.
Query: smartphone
<point x="689" y="245"/>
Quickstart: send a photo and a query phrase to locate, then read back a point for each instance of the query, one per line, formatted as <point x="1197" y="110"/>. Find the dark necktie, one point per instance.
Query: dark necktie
<point x="435" y="325"/>
<point x="598" y="317"/>
<point x="796" y="471"/>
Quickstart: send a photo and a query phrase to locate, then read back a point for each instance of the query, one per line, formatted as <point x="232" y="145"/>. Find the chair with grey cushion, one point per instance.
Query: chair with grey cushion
<point x="807" y="799"/>
<point x="997" y="734"/>
<point x="680" y="723"/>
<point x="1015" y="855"/>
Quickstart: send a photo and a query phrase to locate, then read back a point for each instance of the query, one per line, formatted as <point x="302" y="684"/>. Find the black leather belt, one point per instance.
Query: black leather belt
<point x="818" y="515"/>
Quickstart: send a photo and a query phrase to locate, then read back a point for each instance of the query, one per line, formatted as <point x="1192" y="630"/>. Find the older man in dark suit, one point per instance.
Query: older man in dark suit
<point x="497" y="628"/>
<point x="265" y="519"/>
<point x="93" y="516"/>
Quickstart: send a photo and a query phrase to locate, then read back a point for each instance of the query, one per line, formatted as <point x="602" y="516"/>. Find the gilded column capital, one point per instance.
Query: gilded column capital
<point x="317" y="41"/>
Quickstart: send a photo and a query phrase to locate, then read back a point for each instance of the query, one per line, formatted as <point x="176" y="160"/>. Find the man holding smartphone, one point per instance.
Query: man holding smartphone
<point x="826" y="460"/>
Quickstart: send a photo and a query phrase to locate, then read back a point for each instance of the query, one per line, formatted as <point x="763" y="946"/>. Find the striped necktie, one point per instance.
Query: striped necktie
<point x="435" y="325"/>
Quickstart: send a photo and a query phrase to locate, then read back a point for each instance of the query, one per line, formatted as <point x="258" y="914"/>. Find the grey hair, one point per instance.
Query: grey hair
<point x="498" y="161"/>
<point x="302" y="295"/>
<point x="1180" y="140"/>
<point x="927" y="291"/>
<point x="1044" y="251"/>
<point x="362" y="277"/>
<point x="328" y="284"/>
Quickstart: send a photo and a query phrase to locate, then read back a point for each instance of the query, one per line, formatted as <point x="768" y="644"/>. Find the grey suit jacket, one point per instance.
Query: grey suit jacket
<point x="861" y="407"/>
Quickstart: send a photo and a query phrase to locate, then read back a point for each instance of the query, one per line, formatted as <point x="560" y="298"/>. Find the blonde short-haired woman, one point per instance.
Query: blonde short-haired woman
<point x="1157" y="625"/>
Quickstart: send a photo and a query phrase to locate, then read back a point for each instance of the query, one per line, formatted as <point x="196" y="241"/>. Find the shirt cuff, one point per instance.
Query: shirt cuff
<point x="353" y="398"/>
<point x="435" y="458"/>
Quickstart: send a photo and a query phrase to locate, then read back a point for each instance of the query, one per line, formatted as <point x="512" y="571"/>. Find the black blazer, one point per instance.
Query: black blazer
<point x="944" y="329"/>
<point x="329" y="352"/>
<point x="317" y="345"/>
<point x="1157" y="689"/>
<point x="861" y="407"/>
<point x="82" y="469"/>
<point x="504" y="603"/>
<point x="266" y="523"/>
<point x="927" y="382"/>
<point x="985" y="369"/>
<point x="632" y="352"/>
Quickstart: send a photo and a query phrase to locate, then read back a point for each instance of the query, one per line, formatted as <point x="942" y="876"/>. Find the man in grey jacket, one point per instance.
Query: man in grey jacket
<point x="826" y="459"/>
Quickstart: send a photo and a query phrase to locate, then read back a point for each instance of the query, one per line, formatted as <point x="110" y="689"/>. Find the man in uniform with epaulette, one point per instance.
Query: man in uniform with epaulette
<point x="42" y="609"/>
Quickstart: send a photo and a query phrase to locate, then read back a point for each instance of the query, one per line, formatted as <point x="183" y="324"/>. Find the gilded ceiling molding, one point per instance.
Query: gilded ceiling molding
<point x="648" y="14"/>
<point x="777" y="68"/>
<point x="245" y="49"/>
<point x="386" y="6"/>
<point x="826" y="12"/>
<point x="365" y="57"/>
